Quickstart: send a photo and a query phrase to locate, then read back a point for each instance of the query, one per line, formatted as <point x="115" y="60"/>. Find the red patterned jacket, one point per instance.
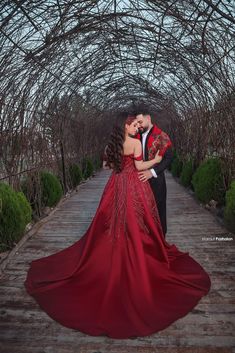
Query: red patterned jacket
<point x="156" y="140"/>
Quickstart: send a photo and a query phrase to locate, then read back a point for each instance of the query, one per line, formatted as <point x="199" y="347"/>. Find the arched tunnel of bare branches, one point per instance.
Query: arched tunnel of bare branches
<point x="66" y="67"/>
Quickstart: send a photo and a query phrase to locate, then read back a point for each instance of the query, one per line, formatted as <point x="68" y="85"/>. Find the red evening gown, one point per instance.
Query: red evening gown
<point x="121" y="279"/>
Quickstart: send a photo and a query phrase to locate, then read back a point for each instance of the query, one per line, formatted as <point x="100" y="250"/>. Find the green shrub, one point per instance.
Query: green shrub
<point x="176" y="166"/>
<point x="187" y="173"/>
<point x="31" y="188"/>
<point x="51" y="189"/>
<point x="12" y="218"/>
<point x="25" y="207"/>
<point x="87" y="168"/>
<point x="75" y="174"/>
<point x="97" y="163"/>
<point x="229" y="212"/>
<point x="208" y="181"/>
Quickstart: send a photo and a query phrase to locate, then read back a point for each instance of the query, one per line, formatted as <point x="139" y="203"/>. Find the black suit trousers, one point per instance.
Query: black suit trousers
<point x="158" y="186"/>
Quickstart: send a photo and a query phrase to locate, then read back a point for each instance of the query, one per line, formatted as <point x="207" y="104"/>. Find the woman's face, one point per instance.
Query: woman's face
<point x="132" y="129"/>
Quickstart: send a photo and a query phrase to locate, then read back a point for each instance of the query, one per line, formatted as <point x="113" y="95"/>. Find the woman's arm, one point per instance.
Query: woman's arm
<point x="166" y="161"/>
<point x="143" y="165"/>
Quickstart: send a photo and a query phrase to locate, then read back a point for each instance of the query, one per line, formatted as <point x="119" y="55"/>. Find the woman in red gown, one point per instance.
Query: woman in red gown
<point x="121" y="279"/>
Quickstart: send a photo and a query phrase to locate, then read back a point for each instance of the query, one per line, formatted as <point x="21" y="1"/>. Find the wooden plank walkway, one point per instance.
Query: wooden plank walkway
<point x="24" y="328"/>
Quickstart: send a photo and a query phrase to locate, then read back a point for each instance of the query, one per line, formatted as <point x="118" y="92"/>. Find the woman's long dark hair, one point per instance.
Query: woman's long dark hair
<point x="114" y="148"/>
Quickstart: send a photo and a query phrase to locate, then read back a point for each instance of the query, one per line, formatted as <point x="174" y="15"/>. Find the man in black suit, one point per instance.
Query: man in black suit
<point x="150" y="135"/>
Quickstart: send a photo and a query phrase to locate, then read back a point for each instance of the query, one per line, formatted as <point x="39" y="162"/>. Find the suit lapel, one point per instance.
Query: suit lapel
<point x="146" y="154"/>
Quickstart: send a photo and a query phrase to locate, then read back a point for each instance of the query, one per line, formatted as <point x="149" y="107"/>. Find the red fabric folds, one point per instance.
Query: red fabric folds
<point x="139" y="158"/>
<point x="121" y="278"/>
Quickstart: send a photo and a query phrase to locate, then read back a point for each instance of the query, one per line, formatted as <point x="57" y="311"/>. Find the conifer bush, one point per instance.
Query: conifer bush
<point x="176" y="165"/>
<point x="208" y="181"/>
<point x="51" y="189"/>
<point x="229" y="212"/>
<point x="97" y="163"/>
<point x="14" y="215"/>
<point x="31" y="188"/>
<point x="75" y="174"/>
<point x="87" y="168"/>
<point x="187" y="173"/>
<point x="25" y="207"/>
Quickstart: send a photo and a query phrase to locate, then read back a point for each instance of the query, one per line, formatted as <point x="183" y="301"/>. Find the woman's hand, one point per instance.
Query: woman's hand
<point x="157" y="158"/>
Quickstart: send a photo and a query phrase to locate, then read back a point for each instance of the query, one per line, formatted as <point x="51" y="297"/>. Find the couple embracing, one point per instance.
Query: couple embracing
<point x="154" y="142"/>
<point x="122" y="279"/>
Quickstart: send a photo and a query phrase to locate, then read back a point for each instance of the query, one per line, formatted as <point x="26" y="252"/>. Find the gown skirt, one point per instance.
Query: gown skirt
<point x="121" y="279"/>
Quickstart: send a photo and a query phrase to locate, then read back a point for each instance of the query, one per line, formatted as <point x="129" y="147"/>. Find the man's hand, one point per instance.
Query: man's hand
<point x="145" y="175"/>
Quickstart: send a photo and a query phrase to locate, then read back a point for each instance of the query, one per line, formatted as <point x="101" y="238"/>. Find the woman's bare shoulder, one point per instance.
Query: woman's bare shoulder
<point x="131" y="145"/>
<point x="136" y="142"/>
<point x="132" y="142"/>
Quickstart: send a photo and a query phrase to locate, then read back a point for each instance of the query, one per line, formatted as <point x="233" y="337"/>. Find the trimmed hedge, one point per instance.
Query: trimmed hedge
<point x="187" y="173"/>
<point x="176" y="165"/>
<point x="25" y="206"/>
<point x="229" y="212"/>
<point x="75" y="174"/>
<point x="208" y="181"/>
<point x="15" y="214"/>
<point x="31" y="188"/>
<point x="97" y="163"/>
<point x="87" y="168"/>
<point x="51" y="189"/>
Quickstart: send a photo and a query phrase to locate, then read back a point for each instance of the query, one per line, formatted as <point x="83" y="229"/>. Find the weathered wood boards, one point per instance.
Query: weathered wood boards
<point x="24" y="328"/>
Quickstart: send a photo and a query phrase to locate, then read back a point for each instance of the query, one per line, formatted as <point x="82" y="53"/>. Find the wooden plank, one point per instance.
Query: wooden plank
<point x="208" y="328"/>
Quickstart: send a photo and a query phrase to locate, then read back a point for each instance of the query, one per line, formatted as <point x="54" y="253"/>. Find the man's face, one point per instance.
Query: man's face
<point x="143" y="122"/>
